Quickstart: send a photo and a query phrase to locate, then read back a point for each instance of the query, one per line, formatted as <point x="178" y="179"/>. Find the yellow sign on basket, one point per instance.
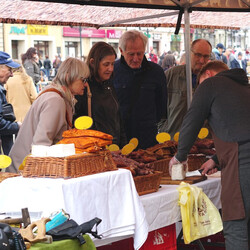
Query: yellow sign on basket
<point x="127" y="149"/>
<point x="135" y="142"/>
<point x="203" y="133"/>
<point x="83" y="122"/>
<point x="176" y="136"/>
<point x="5" y="161"/>
<point x="113" y="147"/>
<point x="162" y="137"/>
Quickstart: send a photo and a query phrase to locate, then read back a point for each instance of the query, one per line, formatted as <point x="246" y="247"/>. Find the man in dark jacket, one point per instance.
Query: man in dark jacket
<point x="223" y="100"/>
<point x="47" y="66"/>
<point x="141" y="89"/>
<point x="7" y="128"/>
<point x="218" y="52"/>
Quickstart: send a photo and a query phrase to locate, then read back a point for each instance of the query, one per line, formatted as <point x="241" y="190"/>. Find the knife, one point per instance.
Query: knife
<point x="194" y="173"/>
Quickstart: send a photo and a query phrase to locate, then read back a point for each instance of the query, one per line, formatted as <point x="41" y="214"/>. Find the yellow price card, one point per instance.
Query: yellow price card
<point x="127" y="149"/>
<point x="113" y="147"/>
<point x="135" y="142"/>
<point x="5" y="161"/>
<point x="203" y="133"/>
<point x="176" y="136"/>
<point x="162" y="137"/>
<point x="83" y="122"/>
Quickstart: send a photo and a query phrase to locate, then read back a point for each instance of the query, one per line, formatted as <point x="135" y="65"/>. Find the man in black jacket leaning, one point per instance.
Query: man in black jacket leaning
<point x="141" y="89"/>
<point x="223" y="98"/>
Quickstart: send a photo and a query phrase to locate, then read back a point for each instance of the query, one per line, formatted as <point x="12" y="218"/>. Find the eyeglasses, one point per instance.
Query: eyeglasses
<point x="84" y="80"/>
<point x="198" y="55"/>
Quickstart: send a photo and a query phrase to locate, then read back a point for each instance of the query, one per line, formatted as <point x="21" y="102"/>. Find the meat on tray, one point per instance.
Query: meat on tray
<point x="207" y="151"/>
<point x="135" y="167"/>
<point x="204" y="143"/>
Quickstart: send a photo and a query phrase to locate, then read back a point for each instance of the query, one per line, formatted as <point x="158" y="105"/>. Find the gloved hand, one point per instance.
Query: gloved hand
<point x="174" y="161"/>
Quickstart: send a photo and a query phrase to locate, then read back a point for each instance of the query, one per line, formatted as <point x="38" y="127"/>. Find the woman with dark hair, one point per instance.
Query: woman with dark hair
<point x="30" y="63"/>
<point x="104" y="104"/>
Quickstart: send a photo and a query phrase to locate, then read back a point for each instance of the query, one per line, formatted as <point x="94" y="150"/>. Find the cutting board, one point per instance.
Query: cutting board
<point x="166" y="180"/>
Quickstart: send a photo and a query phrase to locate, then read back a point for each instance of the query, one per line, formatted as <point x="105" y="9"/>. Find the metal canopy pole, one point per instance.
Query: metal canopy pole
<point x="188" y="61"/>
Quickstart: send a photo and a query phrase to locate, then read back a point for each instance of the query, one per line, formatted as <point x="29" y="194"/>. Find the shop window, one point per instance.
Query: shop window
<point x="71" y="49"/>
<point x="42" y="48"/>
<point x="14" y="46"/>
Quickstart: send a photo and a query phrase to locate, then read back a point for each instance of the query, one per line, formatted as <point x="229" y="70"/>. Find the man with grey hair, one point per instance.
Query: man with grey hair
<point x="7" y="127"/>
<point x="141" y="89"/>
<point x="177" y="86"/>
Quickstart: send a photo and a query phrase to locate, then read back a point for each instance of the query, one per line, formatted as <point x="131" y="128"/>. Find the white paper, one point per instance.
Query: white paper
<point x="58" y="150"/>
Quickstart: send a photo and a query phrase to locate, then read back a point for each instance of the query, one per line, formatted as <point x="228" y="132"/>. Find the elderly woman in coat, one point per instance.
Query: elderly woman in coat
<point x="22" y="99"/>
<point x="51" y="113"/>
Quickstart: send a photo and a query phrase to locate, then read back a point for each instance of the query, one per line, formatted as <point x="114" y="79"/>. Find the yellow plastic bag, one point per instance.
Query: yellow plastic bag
<point x="200" y="218"/>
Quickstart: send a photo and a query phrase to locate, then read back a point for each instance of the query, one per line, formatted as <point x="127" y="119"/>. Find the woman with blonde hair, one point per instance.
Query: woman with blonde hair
<point x="21" y="92"/>
<point x="51" y="113"/>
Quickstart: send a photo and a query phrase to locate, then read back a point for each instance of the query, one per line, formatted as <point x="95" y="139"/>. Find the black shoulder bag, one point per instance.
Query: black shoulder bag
<point x="8" y="112"/>
<point x="71" y="230"/>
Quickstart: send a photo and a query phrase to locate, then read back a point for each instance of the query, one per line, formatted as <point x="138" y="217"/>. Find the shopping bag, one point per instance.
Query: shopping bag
<point x="200" y="218"/>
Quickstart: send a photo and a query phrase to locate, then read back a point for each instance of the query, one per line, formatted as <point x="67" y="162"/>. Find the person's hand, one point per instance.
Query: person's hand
<point x="19" y="124"/>
<point x="174" y="161"/>
<point x="209" y="167"/>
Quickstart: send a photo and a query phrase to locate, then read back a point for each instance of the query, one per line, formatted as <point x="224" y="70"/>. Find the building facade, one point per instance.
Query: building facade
<point x="15" y="39"/>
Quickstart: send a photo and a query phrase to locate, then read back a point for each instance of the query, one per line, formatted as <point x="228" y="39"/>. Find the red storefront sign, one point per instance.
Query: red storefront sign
<point x="85" y="32"/>
<point x="114" y="34"/>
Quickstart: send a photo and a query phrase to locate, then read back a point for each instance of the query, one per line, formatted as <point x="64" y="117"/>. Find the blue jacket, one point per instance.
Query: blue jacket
<point x="142" y="97"/>
<point x="235" y="64"/>
<point x="7" y="128"/>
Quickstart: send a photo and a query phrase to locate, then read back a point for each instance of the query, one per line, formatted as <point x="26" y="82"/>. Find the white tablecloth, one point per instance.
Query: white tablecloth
<point x="162" y="207"/>
<point x="110" y="196"/>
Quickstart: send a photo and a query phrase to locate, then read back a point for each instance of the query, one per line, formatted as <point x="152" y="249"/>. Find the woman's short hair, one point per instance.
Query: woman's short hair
<point x="131" y="35"/>
<point x="70" y="70"/>
<point x="98" y="52"/>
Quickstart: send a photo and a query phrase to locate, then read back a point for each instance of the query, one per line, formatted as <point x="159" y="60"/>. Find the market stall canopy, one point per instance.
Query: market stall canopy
<point x="214" y="5"/>
<point x="47" y="13"/>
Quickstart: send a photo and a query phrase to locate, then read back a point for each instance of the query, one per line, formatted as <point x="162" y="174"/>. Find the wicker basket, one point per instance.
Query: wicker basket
<point x="70" y="166"/>
<point x="146" y="184"/>
<point x="195" y="161"/>
<point x="161" y="165"/>
<point x="5" y="175"/>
